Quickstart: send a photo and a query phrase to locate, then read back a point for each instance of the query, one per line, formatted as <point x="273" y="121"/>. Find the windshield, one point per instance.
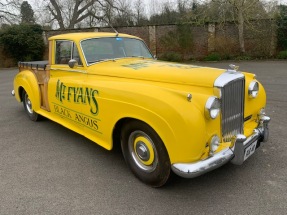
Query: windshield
<point x="99" y="49"/>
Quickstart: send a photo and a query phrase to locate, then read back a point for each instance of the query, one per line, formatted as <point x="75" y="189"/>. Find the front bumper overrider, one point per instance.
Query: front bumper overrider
<point x="234" y="154"/>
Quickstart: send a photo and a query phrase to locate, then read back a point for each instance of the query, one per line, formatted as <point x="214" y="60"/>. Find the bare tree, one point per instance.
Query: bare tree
<point x="240" y="11"/>
<point x="154" y="7"/>
<point x="9" y="11"/>
<point x="124" y="15"/>
<point x="243" y="11"/>
<point x="108" y="11"/>
<point x="69" y="13"/>
<point x="140" y="14"/>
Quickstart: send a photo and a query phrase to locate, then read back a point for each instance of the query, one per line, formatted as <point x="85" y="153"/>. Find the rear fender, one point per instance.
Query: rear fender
<point x="26" y="80"/>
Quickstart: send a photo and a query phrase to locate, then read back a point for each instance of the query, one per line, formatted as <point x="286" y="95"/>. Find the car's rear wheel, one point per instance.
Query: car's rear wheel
<point x="29" y="107"/>
<point x="145" y="153"/>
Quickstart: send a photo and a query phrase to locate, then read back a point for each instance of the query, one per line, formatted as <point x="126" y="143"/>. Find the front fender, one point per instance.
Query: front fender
<point x="26" y="80"/>
<point x="179" y="123"/>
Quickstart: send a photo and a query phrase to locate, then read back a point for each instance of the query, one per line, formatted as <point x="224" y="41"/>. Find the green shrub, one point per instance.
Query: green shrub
<point x="243" y="57"/>
<point x="226" y="57"/>
<point x="23" y="42"/>
<point x="213" y="57"/>
<point x="282" y="27"/>
<point x="282" y="55"/>
<point x="171" y="56"/>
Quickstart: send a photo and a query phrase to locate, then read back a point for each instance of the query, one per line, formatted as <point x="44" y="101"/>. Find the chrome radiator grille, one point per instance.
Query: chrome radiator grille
<point x="232" y="109"/>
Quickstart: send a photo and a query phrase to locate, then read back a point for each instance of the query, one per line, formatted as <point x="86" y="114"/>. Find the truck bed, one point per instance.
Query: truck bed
<point x="33" y="64"/>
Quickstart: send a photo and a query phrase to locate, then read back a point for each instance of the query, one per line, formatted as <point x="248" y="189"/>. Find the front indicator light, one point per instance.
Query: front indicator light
<point x="212" y="107"/>
<point x="253" y="89"/>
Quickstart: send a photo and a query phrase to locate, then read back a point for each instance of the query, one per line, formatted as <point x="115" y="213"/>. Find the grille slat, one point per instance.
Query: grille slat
<point x="232" y="105"/>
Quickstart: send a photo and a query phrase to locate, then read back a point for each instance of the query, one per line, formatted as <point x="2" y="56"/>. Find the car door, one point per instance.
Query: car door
<point x="66" y="84"/>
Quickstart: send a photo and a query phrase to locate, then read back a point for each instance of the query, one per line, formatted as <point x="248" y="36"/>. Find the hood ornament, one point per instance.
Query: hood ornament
<point x="234" y="67"/>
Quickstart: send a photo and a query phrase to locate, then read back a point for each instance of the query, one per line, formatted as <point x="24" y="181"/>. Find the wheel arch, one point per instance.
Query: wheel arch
<point x="116" y="134"/>
<point x="26" y="80"/>
<point x="118" y="127"/>
<point x="20" y="93"/>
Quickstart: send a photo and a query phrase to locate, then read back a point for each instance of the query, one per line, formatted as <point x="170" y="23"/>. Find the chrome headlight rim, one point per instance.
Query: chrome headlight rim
<point x="212" y="107"/>
<point x="253" y="89"/>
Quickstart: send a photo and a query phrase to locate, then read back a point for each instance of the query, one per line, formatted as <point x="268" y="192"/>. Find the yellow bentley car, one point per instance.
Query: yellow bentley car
<point x="167" y="117"/>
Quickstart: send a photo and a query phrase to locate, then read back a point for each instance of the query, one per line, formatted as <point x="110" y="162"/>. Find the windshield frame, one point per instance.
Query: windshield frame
<point x="112" y="59"/>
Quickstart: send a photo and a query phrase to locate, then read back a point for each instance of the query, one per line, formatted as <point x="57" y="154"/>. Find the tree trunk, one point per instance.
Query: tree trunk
<point x="241" y="30"/>
<point x="57" y="14"/>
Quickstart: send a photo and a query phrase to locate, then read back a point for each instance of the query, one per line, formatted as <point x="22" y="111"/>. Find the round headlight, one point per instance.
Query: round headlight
<point x="214" y="144"/>
<point x="212" y="107"/>
<point x="253" y="89"/>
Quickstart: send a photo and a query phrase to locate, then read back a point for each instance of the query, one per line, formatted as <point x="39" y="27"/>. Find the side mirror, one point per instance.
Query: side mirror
<point x="73" y="63"/>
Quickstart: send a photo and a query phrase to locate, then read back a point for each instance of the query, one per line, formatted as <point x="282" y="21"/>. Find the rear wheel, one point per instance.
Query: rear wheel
<point x="29" y="107"/>
<point x="145" y="153"/>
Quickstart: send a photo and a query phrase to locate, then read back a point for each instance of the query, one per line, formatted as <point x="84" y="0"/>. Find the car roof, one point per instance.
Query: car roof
<point x="86" y="35"/>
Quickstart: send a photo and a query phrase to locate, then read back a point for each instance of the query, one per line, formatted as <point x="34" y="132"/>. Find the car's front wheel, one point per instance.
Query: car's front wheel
<point x="28" y="107"/>
<point x="145" y="153"/>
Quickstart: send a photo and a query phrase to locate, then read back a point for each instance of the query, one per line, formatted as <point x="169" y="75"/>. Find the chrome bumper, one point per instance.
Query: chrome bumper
<point x="234" y="154"/>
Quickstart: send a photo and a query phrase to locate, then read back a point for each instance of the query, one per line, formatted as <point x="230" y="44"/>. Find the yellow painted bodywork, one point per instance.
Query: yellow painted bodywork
<point x="91" y="100"/>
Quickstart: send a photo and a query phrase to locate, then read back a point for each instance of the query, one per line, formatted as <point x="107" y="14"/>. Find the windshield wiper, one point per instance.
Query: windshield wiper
<point x="138" y="56"/>
<point x="101" y="60"/>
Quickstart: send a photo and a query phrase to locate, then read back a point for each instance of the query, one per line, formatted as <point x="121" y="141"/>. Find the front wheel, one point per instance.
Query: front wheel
<point x="29" y="108"/>
<point x="145" y="153"/>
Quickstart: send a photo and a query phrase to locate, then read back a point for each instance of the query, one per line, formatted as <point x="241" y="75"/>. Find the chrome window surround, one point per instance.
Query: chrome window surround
<point x="232" y="86"/>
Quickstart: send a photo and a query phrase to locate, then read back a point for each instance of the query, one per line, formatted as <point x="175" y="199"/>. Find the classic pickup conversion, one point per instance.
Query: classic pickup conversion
<point x="166" y="116"/>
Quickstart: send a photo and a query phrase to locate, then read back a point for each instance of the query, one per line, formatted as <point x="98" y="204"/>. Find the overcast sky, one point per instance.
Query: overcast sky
<point x="147" y="2"/>
<point x="152" y="6"/>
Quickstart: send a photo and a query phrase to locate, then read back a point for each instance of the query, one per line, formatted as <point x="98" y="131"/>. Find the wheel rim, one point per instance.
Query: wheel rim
<point x="143" y="152"/>
<point x="28" y="104"/>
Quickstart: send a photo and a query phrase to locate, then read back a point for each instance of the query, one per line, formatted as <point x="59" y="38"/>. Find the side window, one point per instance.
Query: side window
<point x="65" y="51"/>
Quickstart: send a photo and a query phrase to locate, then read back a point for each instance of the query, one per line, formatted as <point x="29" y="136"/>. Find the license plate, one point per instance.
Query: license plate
<point x="250" y="150"/>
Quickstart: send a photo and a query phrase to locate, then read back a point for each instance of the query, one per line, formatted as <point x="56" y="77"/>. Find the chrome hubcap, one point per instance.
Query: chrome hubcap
<point x="142" y="151"/>
<point x="28" y="104"/>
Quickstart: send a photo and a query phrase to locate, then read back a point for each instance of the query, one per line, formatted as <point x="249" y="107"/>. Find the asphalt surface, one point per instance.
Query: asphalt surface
<point x="48" y="169"/>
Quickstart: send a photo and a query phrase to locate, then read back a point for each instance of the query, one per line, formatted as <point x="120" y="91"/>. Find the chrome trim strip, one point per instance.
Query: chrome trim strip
<point x="225" y="78"/>
<point x="69" y="70"/>
<point x="234" y="154"/>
